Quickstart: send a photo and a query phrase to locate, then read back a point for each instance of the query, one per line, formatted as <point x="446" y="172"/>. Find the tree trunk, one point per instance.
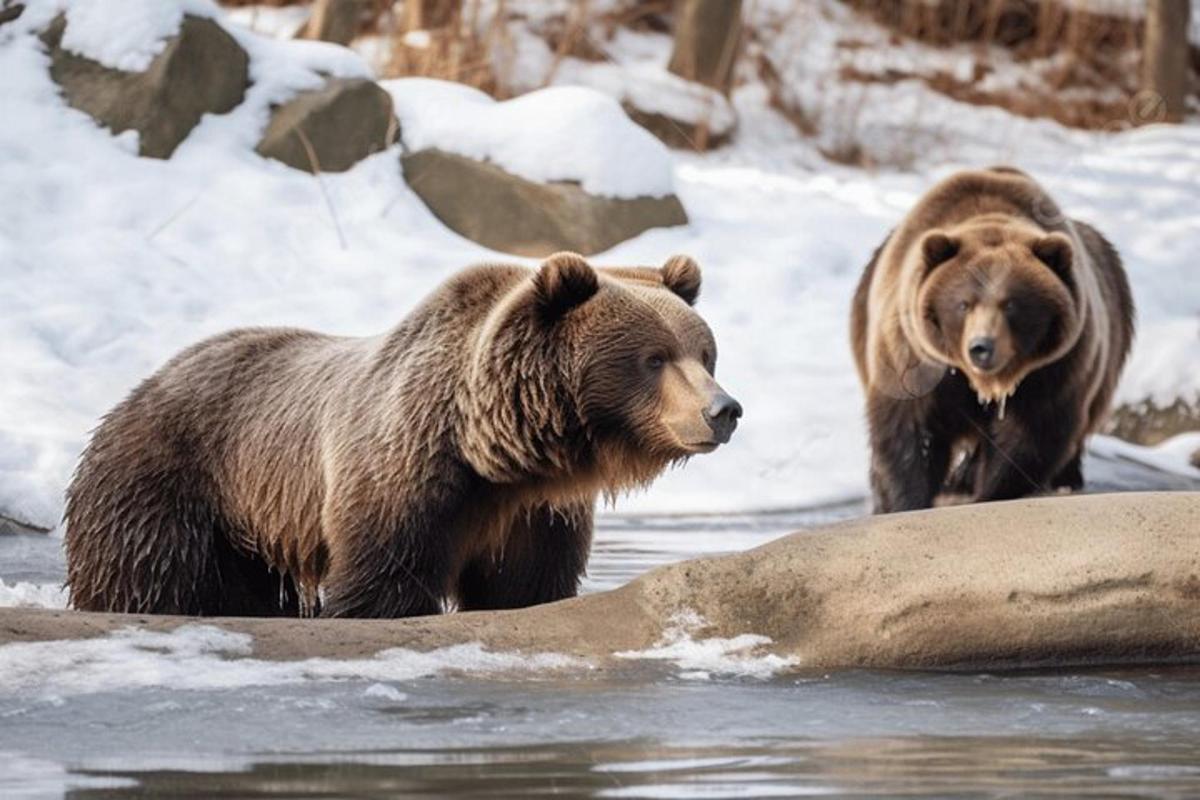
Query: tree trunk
<point x="430" y="14"/>
<point x="707" y="38"/>
<point x="334" y="21"/>
<point x="1166" y="71"/>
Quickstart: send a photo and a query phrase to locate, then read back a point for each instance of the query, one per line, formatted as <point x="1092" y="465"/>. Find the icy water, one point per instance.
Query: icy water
<point x="181" y="715"/>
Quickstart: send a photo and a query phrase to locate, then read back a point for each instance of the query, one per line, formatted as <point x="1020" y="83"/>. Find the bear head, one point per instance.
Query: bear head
<point x="996" y="299"/>
<point x="599" y="377"/>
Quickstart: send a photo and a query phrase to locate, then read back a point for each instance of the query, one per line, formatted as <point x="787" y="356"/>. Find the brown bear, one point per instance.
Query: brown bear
<point x="453" y="461"/>
<point x="989" y="331"/>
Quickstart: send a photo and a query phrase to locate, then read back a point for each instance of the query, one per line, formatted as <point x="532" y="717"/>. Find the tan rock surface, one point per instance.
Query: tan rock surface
<point x="1081" y="580"/>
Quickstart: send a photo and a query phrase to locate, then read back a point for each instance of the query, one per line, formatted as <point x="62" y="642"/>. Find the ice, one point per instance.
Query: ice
<point x="208" y="658"/>
<point x="700" y="659"/>
<point x="24" y="594"/>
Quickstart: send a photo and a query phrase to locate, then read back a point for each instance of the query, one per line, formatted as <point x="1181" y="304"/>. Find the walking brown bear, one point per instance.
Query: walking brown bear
<point x="990" y="328"/>
<point x="454" y="460"/>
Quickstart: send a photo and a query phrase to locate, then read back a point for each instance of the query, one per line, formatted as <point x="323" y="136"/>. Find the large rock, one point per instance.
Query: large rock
<point x="1050" y="582"/>
<point x="507" y="213"/>
<point x="332" y="128"/>
<point x="1150" y="423"/>
<point x="11" y="526"/>
<point x="202" y="70"/>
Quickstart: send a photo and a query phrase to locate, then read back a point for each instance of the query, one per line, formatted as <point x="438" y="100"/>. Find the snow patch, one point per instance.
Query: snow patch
<point x="563" y="133"/>
<point x="129" y="34"/>
<point x="700" y="659"/>
<point x="639" y="77"/>
<point x="207" y="658"/>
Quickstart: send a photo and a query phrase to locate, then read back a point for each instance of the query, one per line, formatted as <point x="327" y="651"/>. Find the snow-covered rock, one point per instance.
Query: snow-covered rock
<point x="504" y="212"/>
<point x="1149" y="423"/>
<point x="332" y="128"/>
<point x="198" y="69"/>
<point x="557" y="169"/>
<point x="564" y="133"/>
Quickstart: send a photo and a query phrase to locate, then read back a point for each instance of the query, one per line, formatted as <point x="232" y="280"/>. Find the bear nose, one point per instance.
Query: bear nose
<point x="722" y="415"/>
<point x="982" y="351"/>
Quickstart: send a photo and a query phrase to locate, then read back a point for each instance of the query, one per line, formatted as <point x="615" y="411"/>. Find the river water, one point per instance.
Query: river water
<point x="187" y="715"/>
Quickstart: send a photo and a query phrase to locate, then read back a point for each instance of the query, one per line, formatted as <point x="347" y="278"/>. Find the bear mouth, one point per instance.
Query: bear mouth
<point x="701" y="447"/>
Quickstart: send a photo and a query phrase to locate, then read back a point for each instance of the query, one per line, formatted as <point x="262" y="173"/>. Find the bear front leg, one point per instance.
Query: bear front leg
<point x="909" y="458"/>
<point x="1071" y="476"/>
<point x="386" y="565"/>
<point x="1026" y="453"/>
<point x="543" y="560"/>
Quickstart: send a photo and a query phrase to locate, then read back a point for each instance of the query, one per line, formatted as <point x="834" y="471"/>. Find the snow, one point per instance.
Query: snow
<point x="127" y="41"/>
<point x="640" y="79"/>
<point x="563" y="133"/>
<point x="111" y="263"/>
<point x="207" y="658"/>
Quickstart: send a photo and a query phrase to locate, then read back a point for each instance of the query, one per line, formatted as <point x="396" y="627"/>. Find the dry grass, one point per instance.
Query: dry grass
<point x="470" y="46"/>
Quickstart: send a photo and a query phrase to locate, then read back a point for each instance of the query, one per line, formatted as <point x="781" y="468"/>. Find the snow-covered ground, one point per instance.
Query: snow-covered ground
<point x="110" y="263"/>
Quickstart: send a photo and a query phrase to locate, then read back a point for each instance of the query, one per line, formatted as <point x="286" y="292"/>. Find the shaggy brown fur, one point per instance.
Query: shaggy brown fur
<point x="990" y="328"/>
<point x="454" y="460"/>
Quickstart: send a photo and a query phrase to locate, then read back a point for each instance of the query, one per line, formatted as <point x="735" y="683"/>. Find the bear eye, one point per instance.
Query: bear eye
<point x="706" y="359"/>
<point x="963" y="305"/>
<point x="656" y="361"/>
<point x="1009" y="306"/>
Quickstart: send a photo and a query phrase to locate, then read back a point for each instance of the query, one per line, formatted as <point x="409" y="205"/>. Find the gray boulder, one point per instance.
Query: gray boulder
<point x="12" y="526"/>
<point x="1149" y="422"/>
<point x="507" y="213"/>
<point x="333" y="128"/>
<point x="202" y="70"/>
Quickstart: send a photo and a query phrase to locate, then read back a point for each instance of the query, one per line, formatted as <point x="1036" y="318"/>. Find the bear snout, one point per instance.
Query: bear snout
<point x="722" y="415"/>
<point x="982" y="351"/>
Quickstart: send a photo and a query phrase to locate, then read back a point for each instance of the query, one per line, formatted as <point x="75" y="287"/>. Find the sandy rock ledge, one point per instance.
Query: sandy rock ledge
<point x="1051" y="582"/>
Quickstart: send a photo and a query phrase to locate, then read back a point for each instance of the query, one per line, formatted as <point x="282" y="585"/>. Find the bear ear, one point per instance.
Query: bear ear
<point x="1056" y="252"/>
<point x="565" y="280"/>
<point x="938" y="248"/>
<point x="681" y="274"/>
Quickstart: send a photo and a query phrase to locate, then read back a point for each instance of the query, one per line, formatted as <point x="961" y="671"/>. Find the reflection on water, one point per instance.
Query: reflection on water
<point x="929" y="766"/>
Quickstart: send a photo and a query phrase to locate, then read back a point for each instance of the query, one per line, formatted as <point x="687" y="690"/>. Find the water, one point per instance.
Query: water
<point x="115" y="723"/>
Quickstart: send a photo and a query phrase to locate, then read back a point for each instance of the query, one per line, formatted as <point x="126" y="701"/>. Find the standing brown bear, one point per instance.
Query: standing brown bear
<point x="991" y="329"/>
<point x="454" y="460"/>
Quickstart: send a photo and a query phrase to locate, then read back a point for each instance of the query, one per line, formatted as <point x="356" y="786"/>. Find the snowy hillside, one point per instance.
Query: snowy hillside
<point x="110" y="263"/>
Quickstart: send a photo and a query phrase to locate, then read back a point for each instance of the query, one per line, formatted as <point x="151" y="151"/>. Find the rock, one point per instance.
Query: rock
<point x="202" y="70"/>
<point x="333" y="128"/>
<point x="1083" y="580"/>
<point x="681" y="113"/>
<point x="11" y="526"/>
<point x="507" y="213"/>
<point x="1148" y="423"/>
<point x="10" y="11"/>
<point x="682" y="134"/>
<point x="334" y="21"/>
